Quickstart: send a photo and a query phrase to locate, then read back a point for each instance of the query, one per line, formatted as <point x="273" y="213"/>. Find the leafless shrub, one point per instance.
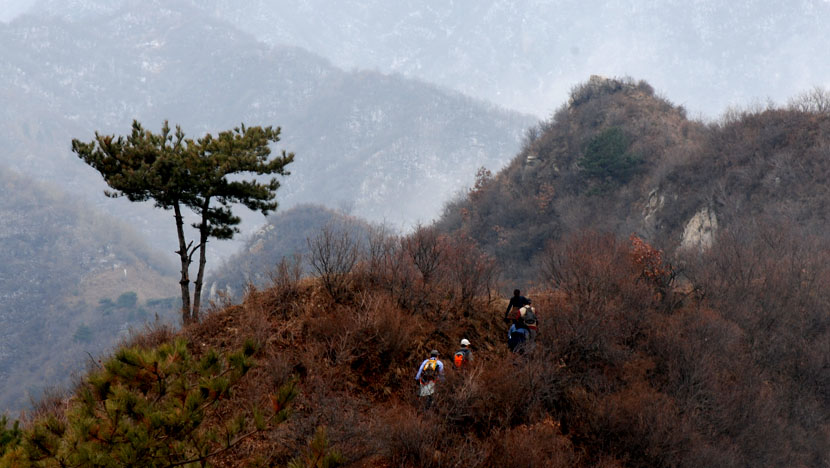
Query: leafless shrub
<point x="52" y="402"/>
<point x="279" y="366"/>
<point x="405" y="284"/>
<point x="255" y="320"/>
<point x="425" y="248"/>
<point x="601" y="303"/>
<point x="367" y="337"/>
<point x="539" y="445"/>
<point x="150" y="335"/>
<point x="390" y="266"/>
<point x="815" y="101"/>
<point x="287" y="275"/>
<point x="486" y="397"/>
<point x="471" y="272"/>
<point x="382" y="247"/>
<point x="410" y="440"/>
<point x="333" y="254"/>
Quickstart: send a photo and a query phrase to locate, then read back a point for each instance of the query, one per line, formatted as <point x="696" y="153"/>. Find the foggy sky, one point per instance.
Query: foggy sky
<point x="705" y="54"/>
<point x="526" y="55"/>
<point x="9" y="9"/>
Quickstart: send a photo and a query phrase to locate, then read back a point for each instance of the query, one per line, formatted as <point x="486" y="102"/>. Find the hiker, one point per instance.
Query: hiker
<point x="463" y="356"/>
<point x="516" y="303"/>
<point x="527" y="315"/>
<point x="428" y="373"/>
<point x="517" y="336"/>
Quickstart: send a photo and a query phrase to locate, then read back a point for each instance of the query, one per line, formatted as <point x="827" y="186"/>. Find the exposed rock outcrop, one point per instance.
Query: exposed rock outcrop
<point x="700" y="231"/>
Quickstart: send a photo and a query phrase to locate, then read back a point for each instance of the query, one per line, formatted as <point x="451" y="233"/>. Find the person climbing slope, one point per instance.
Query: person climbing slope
<point x="428" y="374"/>
<point x="514" y="306"/>
<point x="463" y="356"/>
<point x="527" y="315"/>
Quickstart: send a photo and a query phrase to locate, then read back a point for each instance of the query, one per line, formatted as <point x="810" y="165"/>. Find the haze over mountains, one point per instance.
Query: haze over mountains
<point x="527" y="54"/>
<point x="62" y="268"/>
<point x="384" y="147"/>
<point x="388" y="140"/>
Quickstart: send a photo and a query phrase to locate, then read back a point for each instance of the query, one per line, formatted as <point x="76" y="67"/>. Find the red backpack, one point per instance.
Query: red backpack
<point x="459" y="359"/>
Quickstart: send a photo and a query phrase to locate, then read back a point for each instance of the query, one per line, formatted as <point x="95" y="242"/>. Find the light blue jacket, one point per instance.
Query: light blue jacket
<point x="420" y="369"/>
<point x="514" y="329"/>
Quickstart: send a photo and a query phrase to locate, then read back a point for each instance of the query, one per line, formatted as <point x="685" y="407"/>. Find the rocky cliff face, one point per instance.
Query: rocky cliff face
<point x="699" y="233"/>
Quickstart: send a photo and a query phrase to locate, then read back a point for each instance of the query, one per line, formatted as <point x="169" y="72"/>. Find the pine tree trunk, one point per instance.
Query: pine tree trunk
<point x="203" y="239"/>
<point x="184" y="282"/>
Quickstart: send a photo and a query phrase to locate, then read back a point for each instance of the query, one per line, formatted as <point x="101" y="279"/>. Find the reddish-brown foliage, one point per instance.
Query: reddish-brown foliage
<point x="615" y="378"/>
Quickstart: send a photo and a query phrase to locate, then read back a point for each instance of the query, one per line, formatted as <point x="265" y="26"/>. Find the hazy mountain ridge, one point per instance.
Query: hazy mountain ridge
<point x="137" y="63"/>
<point x="59" y="260"/>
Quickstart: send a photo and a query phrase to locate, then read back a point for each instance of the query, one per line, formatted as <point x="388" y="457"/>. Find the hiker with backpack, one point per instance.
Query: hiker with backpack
<point x="514" y="306"/>
<point x="527" y="315"/>
<point x="428" y="374"/>
<point x="463" y="356"/>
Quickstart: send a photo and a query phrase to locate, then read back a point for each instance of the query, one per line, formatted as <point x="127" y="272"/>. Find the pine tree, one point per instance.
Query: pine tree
<point x="203" y="175"/>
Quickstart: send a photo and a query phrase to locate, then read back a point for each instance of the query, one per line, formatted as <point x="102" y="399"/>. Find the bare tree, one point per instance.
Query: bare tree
<point x="381" y="247"/>
<point x="425" y="248"/>
<point x="816" y="100"/>
<point x="333" y="254"/>
<point x="471" y="271"/>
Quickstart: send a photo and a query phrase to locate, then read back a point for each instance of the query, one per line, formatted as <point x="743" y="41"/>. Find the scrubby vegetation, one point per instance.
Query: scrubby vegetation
<point x="628" y="370"/>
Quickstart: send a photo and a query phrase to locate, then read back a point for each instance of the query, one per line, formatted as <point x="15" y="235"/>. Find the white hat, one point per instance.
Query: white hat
<point x="465" y="342"/>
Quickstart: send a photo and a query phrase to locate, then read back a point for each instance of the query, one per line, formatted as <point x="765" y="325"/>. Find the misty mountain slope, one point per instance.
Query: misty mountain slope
<point x="382" y="136"/>
<point x="526" y="54"/>
<point x="405" y="147"/>
<point x="58" y="261"/>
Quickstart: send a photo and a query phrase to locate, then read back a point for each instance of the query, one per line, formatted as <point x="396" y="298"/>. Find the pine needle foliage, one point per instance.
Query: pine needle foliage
<point x="9" y="436"/>
<point x="151" y="408"/>
<point x="607" y="161"/>
<point x="318" y="454"/>
<point x="204" y="175"/>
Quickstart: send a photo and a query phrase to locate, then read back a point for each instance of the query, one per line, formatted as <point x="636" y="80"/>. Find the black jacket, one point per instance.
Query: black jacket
<point x="517" y="302"/>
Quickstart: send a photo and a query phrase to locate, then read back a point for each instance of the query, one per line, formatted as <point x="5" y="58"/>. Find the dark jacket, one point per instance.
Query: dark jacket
<point x="518" y="302"/>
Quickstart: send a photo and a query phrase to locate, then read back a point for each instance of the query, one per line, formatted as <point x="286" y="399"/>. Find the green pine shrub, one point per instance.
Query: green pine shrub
<point x="152" y="408"/>
<point x="607" y="161"/>
<point x="318" y="454"/>
<point x="9" y="436"/>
